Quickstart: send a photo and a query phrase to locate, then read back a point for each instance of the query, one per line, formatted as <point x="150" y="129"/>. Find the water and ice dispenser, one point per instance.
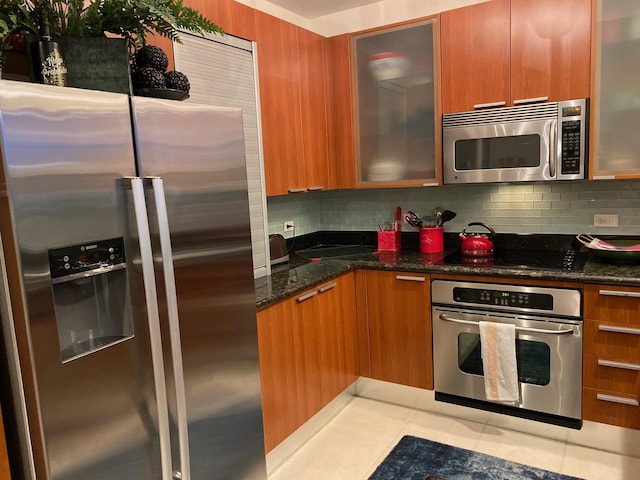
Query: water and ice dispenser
<point x="91" y="296"/>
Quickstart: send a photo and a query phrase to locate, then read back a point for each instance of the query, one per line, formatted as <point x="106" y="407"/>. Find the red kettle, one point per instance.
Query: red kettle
<point x="477" y="244"/>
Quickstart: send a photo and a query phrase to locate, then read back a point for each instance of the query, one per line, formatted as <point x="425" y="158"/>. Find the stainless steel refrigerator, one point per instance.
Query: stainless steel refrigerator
<point x="128" y="302"/>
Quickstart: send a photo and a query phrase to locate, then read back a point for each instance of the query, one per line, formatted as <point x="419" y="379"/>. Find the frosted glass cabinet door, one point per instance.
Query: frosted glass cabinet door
<point x="616" y="97"/>
<point x="397" y="113"/>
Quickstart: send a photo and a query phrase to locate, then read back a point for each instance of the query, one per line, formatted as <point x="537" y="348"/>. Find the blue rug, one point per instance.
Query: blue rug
<point x="415" y="458"/>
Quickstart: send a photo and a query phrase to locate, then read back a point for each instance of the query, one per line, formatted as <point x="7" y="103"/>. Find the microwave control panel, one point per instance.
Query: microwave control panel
<point x="571" y="147"/>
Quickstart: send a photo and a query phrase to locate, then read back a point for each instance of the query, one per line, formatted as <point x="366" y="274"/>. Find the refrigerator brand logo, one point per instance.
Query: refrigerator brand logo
<point x="88" y="247"/>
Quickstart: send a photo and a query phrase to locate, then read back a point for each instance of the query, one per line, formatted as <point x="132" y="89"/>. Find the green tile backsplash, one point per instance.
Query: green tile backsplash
<point x="547" y="207"/>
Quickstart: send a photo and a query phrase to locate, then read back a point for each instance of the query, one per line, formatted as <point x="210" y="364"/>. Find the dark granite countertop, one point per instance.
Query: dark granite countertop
<point x="299" y="274"/>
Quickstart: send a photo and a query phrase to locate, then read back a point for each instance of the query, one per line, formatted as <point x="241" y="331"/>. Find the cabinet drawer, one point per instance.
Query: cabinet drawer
<point x="611" y="340"/>
<point x="612" y="304"/>
<point x="604" y="407"/>
<point x="615" y="376"/>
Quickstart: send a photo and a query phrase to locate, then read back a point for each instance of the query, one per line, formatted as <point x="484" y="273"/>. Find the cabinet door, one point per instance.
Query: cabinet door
<point x="280" y="104"/>
<point x="314" y="97"/>
<point x="340" y="111"/>
<point x="615" y="106"/>
<point x="550" y="49"/>
<point x="308" y="355"/>
<point x="475" y="55"/>
<point x="335" y="319"/>
<point x="281" y="371"/>
<point x="398" y="113"/>
<point x="5" y="472"/>
<point x="400" y="328"/>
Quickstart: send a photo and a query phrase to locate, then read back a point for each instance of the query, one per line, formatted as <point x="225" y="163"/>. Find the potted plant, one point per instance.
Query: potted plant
<point x="132" y="21"/>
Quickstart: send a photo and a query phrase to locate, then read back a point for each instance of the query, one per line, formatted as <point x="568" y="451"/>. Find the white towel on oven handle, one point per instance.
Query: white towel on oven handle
<point x="498" y="348"/>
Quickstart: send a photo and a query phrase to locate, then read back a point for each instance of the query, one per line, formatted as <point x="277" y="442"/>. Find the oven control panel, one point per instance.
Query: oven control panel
<point x="503" y="297"/>
<point x="496" y="297"/>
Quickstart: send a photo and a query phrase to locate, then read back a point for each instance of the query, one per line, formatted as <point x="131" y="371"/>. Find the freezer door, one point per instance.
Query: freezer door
<point x="199" y="153"/>
<point x="93" y="408"/>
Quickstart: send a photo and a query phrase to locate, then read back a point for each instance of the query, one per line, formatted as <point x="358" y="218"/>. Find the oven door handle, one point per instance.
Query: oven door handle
<point x="447" y="318"/>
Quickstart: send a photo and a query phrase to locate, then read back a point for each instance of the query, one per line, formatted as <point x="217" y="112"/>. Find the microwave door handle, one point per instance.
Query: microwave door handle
<point x="553" y="148"/>
<point x="447" y="318"/>
<point x="153" y="317"/>
<point x="157" y="185"/>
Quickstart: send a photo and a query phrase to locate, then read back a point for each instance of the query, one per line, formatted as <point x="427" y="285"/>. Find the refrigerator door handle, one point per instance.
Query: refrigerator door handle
<point x="151" y="298"/>
<point x="174" y="325"/>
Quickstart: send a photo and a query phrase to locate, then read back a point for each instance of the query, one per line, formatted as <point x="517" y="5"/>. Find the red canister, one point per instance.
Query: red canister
<point x="431" y="239"/>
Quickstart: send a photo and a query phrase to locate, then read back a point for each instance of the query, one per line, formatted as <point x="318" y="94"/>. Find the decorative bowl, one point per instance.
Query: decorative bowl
<point x="388" y="65"/>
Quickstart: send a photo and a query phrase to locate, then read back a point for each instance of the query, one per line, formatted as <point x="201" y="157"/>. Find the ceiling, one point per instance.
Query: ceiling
<point x="317" y="8"/>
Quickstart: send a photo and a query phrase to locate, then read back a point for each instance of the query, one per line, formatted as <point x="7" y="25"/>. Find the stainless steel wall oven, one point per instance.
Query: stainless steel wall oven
<point x="548" y="324"/>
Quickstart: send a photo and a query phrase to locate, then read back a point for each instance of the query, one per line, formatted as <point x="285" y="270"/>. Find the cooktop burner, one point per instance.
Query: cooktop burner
<point x="569" y="260"/>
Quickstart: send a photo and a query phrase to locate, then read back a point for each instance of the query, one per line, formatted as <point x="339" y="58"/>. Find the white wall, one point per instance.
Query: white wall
<point x="377" y="14"/>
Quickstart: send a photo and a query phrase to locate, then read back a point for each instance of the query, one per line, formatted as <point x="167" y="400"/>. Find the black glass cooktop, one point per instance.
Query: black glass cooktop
<point x="568" y="260"/>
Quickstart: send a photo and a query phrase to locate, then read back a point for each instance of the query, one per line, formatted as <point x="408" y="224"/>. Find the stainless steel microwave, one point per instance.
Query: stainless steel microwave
<point x="546" y="141"/>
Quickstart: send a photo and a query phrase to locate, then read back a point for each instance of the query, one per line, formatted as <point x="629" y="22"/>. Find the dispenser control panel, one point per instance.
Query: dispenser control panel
<point x="87" y="256"/>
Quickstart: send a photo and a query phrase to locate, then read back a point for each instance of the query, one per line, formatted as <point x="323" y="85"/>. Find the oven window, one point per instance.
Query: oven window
<point x="533" y="359"/>
<point x="498" y="152"/>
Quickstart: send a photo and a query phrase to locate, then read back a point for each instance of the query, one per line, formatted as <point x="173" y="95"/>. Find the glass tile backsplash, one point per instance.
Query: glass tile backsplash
<point x="547" y="207"/>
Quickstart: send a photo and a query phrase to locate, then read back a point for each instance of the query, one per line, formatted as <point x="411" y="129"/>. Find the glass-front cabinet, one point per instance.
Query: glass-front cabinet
<point x="616" y="90"/>
<point x="397" y="111"/>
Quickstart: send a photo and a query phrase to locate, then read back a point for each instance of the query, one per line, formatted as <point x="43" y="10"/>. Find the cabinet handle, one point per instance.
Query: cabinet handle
<point x="316" y="188"/>
<point x="297" y="190"/>
<point x="611" y="328"/>
<point x="614" y="399"/>
<point x="327" y="287"/>
<point x="618" y="293"/>
<point x="410" y="279"/>
<point x="431" y="184"/>
<point x="604" y="177"/>
<point x="625" y="366"/>
<point x="522" y="101"/>
<point x="489" y="105"/>
<point x="307" y="296"/>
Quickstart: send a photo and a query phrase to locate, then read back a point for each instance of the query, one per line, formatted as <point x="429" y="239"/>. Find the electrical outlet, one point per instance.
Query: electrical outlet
<point x="289" y="226"/>
<point x="605" y="220"/>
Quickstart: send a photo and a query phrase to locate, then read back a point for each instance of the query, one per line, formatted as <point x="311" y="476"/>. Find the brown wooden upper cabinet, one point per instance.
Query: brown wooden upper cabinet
<point x="293" y="104"/>
<point x="397" y="109"/>
<point x="510" y="52"/>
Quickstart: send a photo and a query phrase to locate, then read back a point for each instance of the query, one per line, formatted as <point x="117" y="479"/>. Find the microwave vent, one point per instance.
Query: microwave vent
<point x="519" y="113"/>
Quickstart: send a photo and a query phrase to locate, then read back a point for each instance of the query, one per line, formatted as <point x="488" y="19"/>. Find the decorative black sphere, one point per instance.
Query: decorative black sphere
<point x="148" y="77"/>
<point x="177" y="80"/>
<point x="151" y="56"/>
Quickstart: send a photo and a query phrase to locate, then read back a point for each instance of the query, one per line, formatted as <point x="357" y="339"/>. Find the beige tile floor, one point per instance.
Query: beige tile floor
<point x="351" y="446"/>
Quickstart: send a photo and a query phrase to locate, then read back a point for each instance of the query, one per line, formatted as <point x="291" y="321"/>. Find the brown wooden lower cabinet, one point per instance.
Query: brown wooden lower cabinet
<point x="612" y="408"/>
<point x="399" y="328"/>
<point x="308" y="355"/>
<point x="611" y="358"/>
<point x="5" y="473"/>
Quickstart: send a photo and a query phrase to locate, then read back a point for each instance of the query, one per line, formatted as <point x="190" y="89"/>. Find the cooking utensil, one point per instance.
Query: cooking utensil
<point x="413" y="219"/>
<point x="437" y="213"/>
<point x="398" y="220"/>
<point x="477" y="244"/>
<point x="441" y="216"/>
<point x="428" y="221"/>
<point x="447" y="216"/>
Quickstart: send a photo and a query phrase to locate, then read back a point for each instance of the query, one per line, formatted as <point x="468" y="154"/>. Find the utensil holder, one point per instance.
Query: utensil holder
<point x="389" y="240"/>
<point x="431" y="239"/>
